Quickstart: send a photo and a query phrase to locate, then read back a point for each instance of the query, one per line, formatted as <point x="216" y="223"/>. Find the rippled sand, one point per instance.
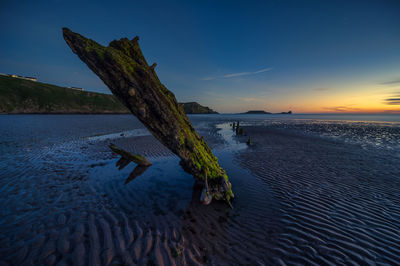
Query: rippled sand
<point x="339" y="202"/>
<point x="300" y="199"/>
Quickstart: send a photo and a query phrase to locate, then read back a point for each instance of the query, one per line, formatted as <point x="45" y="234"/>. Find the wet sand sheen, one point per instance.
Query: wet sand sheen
<point x="337" y="208"/>
<point x="299" y="200"/>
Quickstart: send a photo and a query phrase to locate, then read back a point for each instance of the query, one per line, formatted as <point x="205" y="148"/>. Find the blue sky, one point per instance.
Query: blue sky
<point x="308" y="56"/>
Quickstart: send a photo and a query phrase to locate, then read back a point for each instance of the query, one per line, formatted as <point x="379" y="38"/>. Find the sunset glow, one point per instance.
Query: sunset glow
<point x="311" y="58"/>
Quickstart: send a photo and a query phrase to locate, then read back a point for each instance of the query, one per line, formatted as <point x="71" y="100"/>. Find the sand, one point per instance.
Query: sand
<point x="300" y="199"/>
<point x="339" y="202"/>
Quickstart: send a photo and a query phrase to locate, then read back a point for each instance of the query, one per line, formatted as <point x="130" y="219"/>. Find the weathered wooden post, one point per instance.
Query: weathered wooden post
<point x="123" y="68"/>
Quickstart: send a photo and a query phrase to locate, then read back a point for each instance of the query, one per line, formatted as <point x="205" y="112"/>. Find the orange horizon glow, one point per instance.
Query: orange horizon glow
<point x="341" y="99"/>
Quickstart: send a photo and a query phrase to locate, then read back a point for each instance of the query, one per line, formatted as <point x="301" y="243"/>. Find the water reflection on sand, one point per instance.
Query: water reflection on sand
<point x="307" y="192"/>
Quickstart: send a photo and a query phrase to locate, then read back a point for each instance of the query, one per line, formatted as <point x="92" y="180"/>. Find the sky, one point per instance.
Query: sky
<point x="233" y="56"/>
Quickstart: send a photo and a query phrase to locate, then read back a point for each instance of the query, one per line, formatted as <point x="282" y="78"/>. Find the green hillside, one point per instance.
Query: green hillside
<point x="24" y="96"/>
<point x="19" y="96"/>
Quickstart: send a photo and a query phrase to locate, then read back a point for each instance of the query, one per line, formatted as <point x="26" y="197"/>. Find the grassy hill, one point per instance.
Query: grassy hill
<point x="24" y="96"/>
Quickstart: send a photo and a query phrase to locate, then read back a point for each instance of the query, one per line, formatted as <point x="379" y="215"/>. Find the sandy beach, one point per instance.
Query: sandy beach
<point x="339" y="202"/>
<point x="302" y="197"/>
<point x="212" y="133"/>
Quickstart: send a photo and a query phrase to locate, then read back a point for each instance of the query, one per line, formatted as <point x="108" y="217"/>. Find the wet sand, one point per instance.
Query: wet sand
<point x="339" y="202"/>
<point x="300" y="199"/>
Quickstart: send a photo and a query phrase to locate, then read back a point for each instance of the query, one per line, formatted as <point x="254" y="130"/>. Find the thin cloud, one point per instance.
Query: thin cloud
<point x="262" y="70"/>
<point x="391" y="82"/>
<point x="233" y="75"/>
<point x="236" y="75"/>
<point x="342" y="109"/>
<point x="392" y="111"/>
<point x="392" y="101"/>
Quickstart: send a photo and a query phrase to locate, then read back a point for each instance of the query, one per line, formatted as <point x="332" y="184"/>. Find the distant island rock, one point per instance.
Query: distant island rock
<point x="21" y="96"/>
<point x="286" y="113"/>
<point x="195" y="108"/>
<point x="256" y="112"/>
<point x="262" y="112"/>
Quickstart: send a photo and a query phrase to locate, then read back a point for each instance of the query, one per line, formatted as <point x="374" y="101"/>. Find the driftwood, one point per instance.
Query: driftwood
<point x="127" y="157"/>
<point x="237" y="128"/>
<point x="140" y="169"/>
<point x="248" y="141"/>
<point x="123" y="68"/>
